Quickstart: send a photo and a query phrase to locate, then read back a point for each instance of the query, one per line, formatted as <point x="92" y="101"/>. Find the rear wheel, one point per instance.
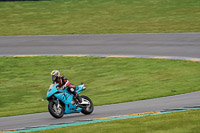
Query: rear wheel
<point x="54" y="110"/>
<point x="89" y="108"/>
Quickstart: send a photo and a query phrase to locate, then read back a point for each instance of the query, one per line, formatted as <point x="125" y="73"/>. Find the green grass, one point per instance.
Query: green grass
<point x="98" y="16"/>
<point x="181" y="122"/>
<point x="24" y="81"/>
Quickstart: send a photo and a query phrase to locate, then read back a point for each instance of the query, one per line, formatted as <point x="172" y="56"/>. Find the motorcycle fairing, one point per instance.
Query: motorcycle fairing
<point x="65" y="97"/>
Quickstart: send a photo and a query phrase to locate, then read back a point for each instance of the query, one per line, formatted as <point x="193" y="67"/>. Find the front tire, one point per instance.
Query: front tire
<point x="55" y="111"/>
<point x="89" y="109"/>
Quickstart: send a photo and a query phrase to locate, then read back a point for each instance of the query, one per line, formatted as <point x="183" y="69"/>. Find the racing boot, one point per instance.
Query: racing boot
<point x="80" y="100"/>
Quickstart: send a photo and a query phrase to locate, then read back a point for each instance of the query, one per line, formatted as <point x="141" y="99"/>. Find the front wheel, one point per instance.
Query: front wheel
<point x="89" y="108"/>
<point x="56" y="111"/>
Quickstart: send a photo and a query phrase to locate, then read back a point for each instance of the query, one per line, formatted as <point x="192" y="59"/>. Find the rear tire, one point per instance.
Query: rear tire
<point x="87" y="110"/>
<point x="55" y="111"/>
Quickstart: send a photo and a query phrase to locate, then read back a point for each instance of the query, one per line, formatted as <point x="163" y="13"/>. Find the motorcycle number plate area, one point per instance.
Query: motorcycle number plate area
<point x="51" y="87"/>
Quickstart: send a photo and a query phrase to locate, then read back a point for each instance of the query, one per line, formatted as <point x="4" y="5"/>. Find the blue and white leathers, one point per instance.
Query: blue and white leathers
<point x="65" y="97"/>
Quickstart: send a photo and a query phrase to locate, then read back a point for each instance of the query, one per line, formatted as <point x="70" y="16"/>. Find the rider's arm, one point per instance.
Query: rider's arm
<point x="66" y="83"/>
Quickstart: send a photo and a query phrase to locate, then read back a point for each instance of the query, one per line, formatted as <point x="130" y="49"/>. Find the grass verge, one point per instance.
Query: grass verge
<point x="24" y="80"/>
<point x="98" y="16"/>
<point x="180" y="122"/>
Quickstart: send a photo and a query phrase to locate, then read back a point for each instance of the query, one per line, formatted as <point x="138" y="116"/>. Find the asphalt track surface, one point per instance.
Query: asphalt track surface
<point x="170" y="44"/>
<point x="158" y="104"/>
<point x="165" y="44"/>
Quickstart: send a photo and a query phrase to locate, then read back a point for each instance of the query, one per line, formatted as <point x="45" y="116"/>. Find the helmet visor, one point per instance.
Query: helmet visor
<point x="53" y="77"/>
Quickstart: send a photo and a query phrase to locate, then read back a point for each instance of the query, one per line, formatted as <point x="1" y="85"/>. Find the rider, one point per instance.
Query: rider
<point x="64" y="83"/>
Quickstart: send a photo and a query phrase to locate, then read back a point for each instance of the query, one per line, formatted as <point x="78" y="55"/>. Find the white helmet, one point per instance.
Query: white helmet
<point x="54" y="75"/>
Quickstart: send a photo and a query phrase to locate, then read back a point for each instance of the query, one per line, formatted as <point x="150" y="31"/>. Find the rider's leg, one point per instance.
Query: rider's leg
<point x="76" y="96"/>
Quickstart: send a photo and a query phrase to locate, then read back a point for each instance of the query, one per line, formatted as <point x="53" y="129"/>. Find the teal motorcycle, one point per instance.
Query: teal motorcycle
<point x="63" y="102"/>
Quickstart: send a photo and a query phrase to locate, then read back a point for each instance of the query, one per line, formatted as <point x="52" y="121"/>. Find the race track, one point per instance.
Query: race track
<point x="170" y="44"/>
<point x="158" y="104"/>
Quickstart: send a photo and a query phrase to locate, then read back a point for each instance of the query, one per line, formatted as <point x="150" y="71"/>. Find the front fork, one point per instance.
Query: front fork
<point x="57" y="102"/>
<point x="58" y="105"/>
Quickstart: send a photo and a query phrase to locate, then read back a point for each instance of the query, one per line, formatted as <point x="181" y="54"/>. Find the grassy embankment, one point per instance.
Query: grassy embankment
<point x="25" y="80"/>
<point x="98" y="16"/>
<point x="181" y="122"/>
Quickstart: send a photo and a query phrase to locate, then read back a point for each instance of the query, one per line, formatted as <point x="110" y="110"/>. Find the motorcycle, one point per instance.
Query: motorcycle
<point x="63" y="102"/>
